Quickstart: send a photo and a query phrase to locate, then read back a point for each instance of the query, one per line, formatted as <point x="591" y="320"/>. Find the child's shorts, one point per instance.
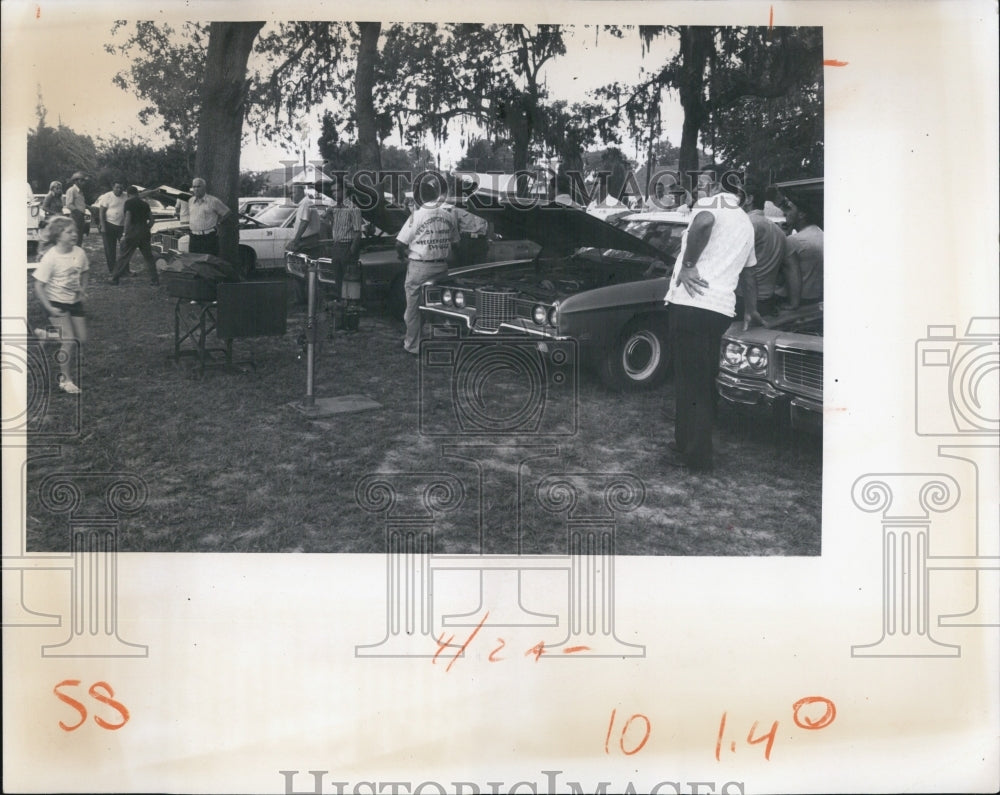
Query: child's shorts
<point x="74" y="309"/>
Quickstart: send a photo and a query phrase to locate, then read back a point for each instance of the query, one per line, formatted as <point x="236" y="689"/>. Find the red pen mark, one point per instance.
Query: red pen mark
<point x="72" y="702"/>
<point x="718" y="742"/>
<point x="621" y="742"/>
<point x="538" y="650"/>
<point x="38" y="12"/>
<point x="803" y="713"/>
<point x="824" y="720"/>
<point x="442" y="645"/>
<point x="770" y="19"/>
<point x="833" y="62"/>
<point x="108" y="697"/>
<point x="769" y="737"/>
<point x="575" y="649"/>
<point x="99" y="691"/>
<point x="493" y="657"/>
<point x="468" y="640"/>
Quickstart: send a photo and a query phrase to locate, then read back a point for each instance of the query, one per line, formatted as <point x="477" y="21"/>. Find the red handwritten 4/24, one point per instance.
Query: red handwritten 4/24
<point x="537" y="650"/>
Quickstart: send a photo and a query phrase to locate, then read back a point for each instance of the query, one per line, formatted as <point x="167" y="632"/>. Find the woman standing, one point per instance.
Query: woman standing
<point x="52" y="204"/>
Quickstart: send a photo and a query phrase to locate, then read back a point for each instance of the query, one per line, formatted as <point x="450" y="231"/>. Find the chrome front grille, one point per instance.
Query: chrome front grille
<point x="801" y="368"/>
<point x="494" y="307"/>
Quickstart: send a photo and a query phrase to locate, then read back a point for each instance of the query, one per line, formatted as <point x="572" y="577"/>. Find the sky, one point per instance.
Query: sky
<point x="68" y="64"/>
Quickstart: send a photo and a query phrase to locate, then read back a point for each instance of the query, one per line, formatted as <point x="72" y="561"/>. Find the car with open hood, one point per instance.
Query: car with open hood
<point x="599" y="284"/>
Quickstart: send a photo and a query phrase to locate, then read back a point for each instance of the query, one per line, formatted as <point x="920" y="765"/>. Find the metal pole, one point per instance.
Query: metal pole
<point x="310" y="399"/>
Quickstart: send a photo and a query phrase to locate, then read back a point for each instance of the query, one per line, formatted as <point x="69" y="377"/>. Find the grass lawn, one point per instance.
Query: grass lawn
<point x="231" y="467"/>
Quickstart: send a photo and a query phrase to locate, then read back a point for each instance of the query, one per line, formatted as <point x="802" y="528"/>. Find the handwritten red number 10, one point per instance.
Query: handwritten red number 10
<point x="621" y="741"/>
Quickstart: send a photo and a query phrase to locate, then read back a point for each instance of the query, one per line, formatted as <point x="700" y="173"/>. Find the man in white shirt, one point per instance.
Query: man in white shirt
<point x="112" y="221"/>
<point x="426" y="241"/>
<point x="717" y="253"/>
<point x="205" y="213"/>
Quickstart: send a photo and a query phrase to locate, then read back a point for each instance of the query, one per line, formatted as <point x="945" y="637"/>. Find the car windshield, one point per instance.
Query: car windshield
<point x="275" y="216"/>
<point x="663" y="235"/>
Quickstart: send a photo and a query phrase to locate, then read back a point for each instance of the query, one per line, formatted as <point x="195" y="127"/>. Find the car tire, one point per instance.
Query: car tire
<point x="641" y="357"/>
<point x="248" y="260"/>
<point x="395" y="302"/>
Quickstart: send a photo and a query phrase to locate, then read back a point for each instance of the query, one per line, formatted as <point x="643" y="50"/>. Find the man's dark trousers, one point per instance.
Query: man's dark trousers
<point x="204" y="244"/>
<point x="112" y="236"/>
<point x="695" y="336"/>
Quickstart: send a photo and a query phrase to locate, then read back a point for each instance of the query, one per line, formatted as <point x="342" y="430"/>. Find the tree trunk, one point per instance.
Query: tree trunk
<point x="364" y="83"/>
<point x="220" y="128"/>
<point x="696" y="46"/>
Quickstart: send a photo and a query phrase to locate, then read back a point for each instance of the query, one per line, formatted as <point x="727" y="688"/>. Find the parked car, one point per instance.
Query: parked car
<point x="262" y="237"/>
<point x="599" y="284"/>
<point x="252" y="205"/>
<point x="159" y="210"/>
<point x="34" y="207"/>
<point x="777" y="370"/>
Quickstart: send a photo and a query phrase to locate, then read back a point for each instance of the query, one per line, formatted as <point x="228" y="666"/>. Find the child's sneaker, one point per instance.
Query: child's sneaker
<point x="68" y="386"/>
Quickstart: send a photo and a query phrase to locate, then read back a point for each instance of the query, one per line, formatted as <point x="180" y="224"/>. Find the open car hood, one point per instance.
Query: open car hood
<point x="560" y="230"/>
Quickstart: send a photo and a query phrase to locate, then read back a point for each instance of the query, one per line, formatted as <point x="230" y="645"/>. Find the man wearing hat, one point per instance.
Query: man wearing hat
<point x="306" y="239"/>
<point x="803" y="265"/>
<point x="76" y="203"/>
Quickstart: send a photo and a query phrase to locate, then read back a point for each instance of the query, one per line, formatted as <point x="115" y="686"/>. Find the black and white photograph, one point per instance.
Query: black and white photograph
<point x="435" y="398"/>
<point x="523" y="330"/>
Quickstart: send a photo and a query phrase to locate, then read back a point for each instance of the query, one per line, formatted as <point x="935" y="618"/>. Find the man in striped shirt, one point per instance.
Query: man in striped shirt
<point x="341" y="225"/>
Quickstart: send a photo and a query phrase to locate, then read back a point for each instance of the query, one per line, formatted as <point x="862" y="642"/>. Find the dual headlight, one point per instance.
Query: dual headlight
<point x="744" y="357"/>
<point x="544" y="315"/>
<point x="455" y="298"/>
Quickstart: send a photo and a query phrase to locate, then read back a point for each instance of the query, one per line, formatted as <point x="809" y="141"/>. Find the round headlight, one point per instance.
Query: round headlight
<point x="538" y="315"/>
<point x="757" y="357"/>
<point x="446" y="298"/>
<point x="554" y="316"/>
<point x="459" y="299"/>
<point x="733" y="354"/>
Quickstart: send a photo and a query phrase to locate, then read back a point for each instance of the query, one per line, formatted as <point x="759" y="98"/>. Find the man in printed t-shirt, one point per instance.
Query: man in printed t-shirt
<point x="426" y="241"/>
